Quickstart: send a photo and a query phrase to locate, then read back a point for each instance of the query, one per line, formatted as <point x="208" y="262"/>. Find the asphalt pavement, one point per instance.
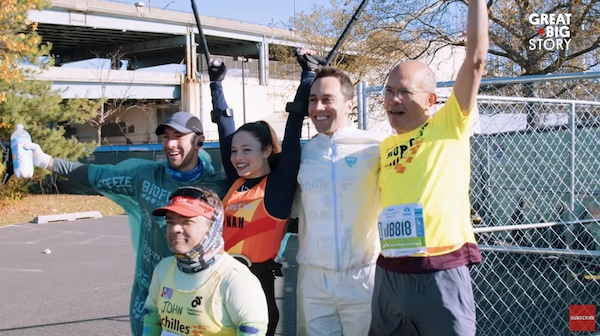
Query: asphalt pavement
<point x="82" y="286"/>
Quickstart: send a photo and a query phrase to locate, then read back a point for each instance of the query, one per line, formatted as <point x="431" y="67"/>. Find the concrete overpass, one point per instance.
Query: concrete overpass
<point x="120" y="51"/>
<point x="84" y="29"/>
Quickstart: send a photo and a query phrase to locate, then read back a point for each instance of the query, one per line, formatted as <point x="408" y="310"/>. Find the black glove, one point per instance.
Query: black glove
<point x="216" y="70"/>
<point x="216" y="114"/>
<point x="309" y="62"/>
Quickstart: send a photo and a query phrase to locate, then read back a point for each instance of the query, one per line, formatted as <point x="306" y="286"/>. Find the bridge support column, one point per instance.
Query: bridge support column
<point x="190" y="97"/>
<point x="263" y="67"/>
<point x="190" y="87"/>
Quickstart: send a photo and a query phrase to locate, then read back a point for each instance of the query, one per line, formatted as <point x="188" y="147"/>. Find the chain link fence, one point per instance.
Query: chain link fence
<point x="535" y="195"/>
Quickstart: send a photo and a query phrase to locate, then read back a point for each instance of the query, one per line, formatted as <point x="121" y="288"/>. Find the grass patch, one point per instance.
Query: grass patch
<point x="24" y="210"/>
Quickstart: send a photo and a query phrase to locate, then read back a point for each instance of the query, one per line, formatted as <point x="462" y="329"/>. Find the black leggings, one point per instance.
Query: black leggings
<point x="265" y="272"/>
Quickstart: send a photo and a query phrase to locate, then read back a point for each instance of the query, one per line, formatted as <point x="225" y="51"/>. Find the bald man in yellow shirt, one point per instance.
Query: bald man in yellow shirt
<point x="425" y="232"/>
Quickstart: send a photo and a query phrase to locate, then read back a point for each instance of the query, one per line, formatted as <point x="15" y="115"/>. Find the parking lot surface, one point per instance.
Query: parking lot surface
<point x="82" y="286"/>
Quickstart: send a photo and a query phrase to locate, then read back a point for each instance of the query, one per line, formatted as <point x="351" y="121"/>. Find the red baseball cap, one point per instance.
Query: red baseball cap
<point x="188" y="203"/>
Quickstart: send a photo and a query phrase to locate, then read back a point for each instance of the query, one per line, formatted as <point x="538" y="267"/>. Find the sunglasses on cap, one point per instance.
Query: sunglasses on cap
<point x="189" y="192"/>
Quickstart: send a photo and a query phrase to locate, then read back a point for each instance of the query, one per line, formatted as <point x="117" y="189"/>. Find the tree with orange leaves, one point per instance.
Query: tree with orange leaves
<point x="24" y="100"/>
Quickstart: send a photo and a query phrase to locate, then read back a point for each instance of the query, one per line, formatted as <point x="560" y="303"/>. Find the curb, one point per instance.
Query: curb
<point x="66" y="217"/>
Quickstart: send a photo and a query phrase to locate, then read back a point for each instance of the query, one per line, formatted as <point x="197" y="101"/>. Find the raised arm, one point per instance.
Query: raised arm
<point x="222" y="115"/>
<point x="290" y="148"/>
<point x="281" y="184"/>
<point x="469" y="76"/>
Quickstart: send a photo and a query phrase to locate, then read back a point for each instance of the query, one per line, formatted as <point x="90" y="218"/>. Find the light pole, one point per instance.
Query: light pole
<point x="294" y="18"/>
<point x="243" y="60"/>
<point x="307" y="124"/>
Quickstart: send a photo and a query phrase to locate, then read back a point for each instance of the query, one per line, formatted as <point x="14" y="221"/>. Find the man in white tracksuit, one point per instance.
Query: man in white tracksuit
<point x="339" y="203"/>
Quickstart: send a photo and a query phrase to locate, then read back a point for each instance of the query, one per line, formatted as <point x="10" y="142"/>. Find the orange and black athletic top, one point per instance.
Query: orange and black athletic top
<point x="257" y="210"/>
<point x="251" y="230"/>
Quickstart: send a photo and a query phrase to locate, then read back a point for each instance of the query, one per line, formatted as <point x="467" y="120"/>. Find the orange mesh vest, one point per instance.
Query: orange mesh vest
<point x="249" y="229"/>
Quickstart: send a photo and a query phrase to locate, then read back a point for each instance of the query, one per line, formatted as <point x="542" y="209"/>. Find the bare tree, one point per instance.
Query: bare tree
<point x="320" y="29"/>
<point x="396" y="30"/>
<point x="106" y="111"/>
<point x="441" y="22"/>
<point x="391" y="31"/>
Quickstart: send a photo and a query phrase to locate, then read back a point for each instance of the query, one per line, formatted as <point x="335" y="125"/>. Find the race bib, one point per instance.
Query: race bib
<point x="402" y="230"/>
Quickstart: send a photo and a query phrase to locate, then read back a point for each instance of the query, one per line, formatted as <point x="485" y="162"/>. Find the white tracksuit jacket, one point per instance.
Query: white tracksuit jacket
<point x="340" y="200"/>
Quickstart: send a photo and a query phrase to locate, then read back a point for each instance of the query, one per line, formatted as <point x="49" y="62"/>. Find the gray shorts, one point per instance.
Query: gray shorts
<point x="439" y="303"/>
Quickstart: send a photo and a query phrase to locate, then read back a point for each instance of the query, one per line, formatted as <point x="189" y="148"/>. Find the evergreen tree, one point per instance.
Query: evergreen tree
<point x="25" y="100"/>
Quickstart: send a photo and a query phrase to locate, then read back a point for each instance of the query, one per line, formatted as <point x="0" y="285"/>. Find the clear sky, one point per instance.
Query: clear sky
<point x="265" y="12"/>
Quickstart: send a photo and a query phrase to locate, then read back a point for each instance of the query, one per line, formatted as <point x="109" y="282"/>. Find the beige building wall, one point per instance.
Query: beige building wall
<point x="261" y="103"/>
<point x="251" y="102"/>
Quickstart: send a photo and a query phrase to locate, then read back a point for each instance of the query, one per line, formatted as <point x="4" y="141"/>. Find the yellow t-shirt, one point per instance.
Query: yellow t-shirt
<point x="430" y="166"/>
<point x="225" y="299"/>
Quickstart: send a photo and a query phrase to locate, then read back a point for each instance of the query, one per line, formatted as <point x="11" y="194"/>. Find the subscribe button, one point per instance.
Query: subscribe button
<point x="582" y="317"/>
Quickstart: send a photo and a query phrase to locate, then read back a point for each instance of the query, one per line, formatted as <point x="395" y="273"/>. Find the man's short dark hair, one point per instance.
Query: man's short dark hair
<point x="345" y="83"/>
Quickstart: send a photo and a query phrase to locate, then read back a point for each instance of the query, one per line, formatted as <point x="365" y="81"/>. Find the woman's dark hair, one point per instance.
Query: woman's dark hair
<point x="264" y="133"/>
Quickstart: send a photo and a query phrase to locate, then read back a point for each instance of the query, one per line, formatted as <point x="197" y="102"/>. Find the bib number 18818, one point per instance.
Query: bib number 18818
<point x="397" y="229"/>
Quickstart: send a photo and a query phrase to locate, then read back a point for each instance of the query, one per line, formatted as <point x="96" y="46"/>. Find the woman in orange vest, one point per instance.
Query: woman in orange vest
<point x="262" y="175"/>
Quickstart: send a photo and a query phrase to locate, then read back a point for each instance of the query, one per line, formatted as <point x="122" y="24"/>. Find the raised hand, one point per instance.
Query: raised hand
<point x="216" y="70"/>
<point x="308" y="59"/>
